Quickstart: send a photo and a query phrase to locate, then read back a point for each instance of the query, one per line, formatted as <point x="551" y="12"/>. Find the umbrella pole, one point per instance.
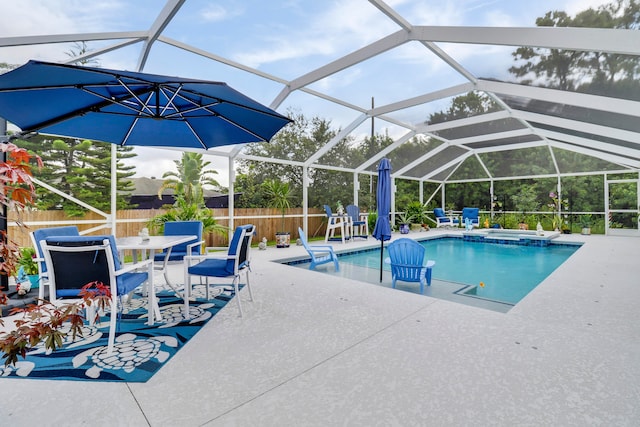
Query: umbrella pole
<point x="381" y="250"/>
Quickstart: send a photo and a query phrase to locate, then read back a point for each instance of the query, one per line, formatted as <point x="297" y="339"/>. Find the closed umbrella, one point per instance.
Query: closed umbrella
<point x="132" y="108"/>
<point x="382" y="230"/>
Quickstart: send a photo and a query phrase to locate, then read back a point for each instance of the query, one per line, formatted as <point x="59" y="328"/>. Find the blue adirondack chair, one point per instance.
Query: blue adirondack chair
<point x="320" y="254"/>
<point x="406" y="257"/>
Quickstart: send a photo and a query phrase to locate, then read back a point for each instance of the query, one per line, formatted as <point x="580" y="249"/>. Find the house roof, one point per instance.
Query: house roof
<point x="150" y="186"/>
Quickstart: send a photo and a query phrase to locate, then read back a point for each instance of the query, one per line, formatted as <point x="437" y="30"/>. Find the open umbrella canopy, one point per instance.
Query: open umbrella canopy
<point x="131" y="108"/>
<point x="382" y="230"/>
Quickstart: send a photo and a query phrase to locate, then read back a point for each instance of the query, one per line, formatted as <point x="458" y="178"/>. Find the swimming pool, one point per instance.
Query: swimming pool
<point x="507" y="272"/>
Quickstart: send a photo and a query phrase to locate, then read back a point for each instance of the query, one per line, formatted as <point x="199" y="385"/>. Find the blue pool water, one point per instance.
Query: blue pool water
<point x="508" y="272"/>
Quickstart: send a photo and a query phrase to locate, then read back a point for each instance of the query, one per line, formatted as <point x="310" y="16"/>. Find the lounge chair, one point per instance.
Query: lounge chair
<point x="473" y="215"/>
<point x="442" y="220"/>
<point x="320" y="254"/>
<point x="406" y="257"/>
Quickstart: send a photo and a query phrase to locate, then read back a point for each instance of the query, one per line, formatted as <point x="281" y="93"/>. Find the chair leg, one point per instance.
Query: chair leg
<point x="237" y="293"/>
<point x="187" y="294"/>
<point x="112" y="323"/>
<point x="248" y="284"/>
<point x="41" y="291"/>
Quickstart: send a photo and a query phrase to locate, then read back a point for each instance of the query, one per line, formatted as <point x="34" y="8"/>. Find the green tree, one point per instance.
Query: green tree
<point x="297" y="142"/>
<point x="463" y="106"/>
<point x="190" y="179"/>
<point x="188" y="184"/>
<point x="278" y="195"/>
<point x="79" y="168"/>
<point x="592" y="72"/>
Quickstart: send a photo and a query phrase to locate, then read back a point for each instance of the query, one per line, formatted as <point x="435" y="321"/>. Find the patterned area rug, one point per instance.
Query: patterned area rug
<point x="140" y="350"/>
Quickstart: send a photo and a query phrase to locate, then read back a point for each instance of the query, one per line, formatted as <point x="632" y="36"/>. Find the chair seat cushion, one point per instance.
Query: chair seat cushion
<point x="213" y="267"/>
<point x="68" y="293"/>
<point x="129" y="281"/>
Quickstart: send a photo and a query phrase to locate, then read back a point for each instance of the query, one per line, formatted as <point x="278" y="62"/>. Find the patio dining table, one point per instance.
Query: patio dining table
<point x="151" y="244"/>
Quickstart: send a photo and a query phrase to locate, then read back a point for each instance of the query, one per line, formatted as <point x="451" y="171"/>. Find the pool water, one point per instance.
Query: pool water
<point x="507" y="272"/>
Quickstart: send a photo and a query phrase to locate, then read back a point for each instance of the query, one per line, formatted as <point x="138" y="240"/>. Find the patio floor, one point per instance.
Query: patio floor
<point x="319" y="350"/>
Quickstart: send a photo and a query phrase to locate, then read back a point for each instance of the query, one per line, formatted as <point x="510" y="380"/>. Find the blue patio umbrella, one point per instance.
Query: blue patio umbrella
<point x="132" y="108"/>
<point x="382" y="230"/>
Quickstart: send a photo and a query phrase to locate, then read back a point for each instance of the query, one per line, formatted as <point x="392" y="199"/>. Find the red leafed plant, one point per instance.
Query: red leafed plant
<point x="43" y="322"/>
<point x="16" y="193"/>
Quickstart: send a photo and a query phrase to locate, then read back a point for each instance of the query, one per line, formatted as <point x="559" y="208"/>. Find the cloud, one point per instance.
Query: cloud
<point x="218" y="13"/>
<point x="338" y="27"/>
<point x="572" y="7"/>
<point x="34" y="18"/>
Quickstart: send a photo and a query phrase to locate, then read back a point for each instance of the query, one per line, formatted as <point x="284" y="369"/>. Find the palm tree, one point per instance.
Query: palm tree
<point x="190" y="179"/>
<point x="278" y="194"/>
<point x="188" y="185"/>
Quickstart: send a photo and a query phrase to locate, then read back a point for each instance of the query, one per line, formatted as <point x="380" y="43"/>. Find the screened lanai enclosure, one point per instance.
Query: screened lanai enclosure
<point x="475" y="104"/>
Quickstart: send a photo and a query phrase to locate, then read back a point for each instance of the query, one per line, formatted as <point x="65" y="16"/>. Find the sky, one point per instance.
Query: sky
<point x="285" y="39"/>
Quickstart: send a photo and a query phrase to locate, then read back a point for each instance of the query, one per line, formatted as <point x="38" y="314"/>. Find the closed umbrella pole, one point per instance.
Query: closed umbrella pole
<point x="382" y="230"/>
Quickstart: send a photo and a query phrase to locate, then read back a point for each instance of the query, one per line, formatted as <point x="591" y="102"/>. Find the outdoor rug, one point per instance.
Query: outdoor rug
<point x="140" y="350"/>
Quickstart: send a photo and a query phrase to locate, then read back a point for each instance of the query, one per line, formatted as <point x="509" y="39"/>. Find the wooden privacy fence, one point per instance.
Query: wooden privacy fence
<point x="268" y="221"/>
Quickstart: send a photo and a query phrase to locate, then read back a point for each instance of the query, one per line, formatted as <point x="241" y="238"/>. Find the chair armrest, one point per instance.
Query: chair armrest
<point x="318" y="251"/>
<point x="322" y="247"/>
<point x="190" y="246"/>
<point x="133" y="267"/>
<point x="215" y="248"/>
<point x="189" y="258"/>
<point x="40" y="263"/>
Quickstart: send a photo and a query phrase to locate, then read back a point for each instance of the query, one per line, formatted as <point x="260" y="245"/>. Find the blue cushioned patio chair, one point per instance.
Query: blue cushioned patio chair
<point x="38" y="236"/>
<point x="74" y="261"/>
<point x="442" y="220"/>
<point x="406" y="257"/>
<point x="358" y="223"/>
<point x="178" y="252"/>
<point x="473" y="215"/>
<point x="236" y="260"/>
<point x="320" y="254"/>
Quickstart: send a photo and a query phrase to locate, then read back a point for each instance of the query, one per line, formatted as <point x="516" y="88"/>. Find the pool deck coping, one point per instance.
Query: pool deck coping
<point x="311" y="351"/>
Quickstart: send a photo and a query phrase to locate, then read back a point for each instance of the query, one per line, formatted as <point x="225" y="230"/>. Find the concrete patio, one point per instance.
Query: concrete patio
<point x="315" y="350"/>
